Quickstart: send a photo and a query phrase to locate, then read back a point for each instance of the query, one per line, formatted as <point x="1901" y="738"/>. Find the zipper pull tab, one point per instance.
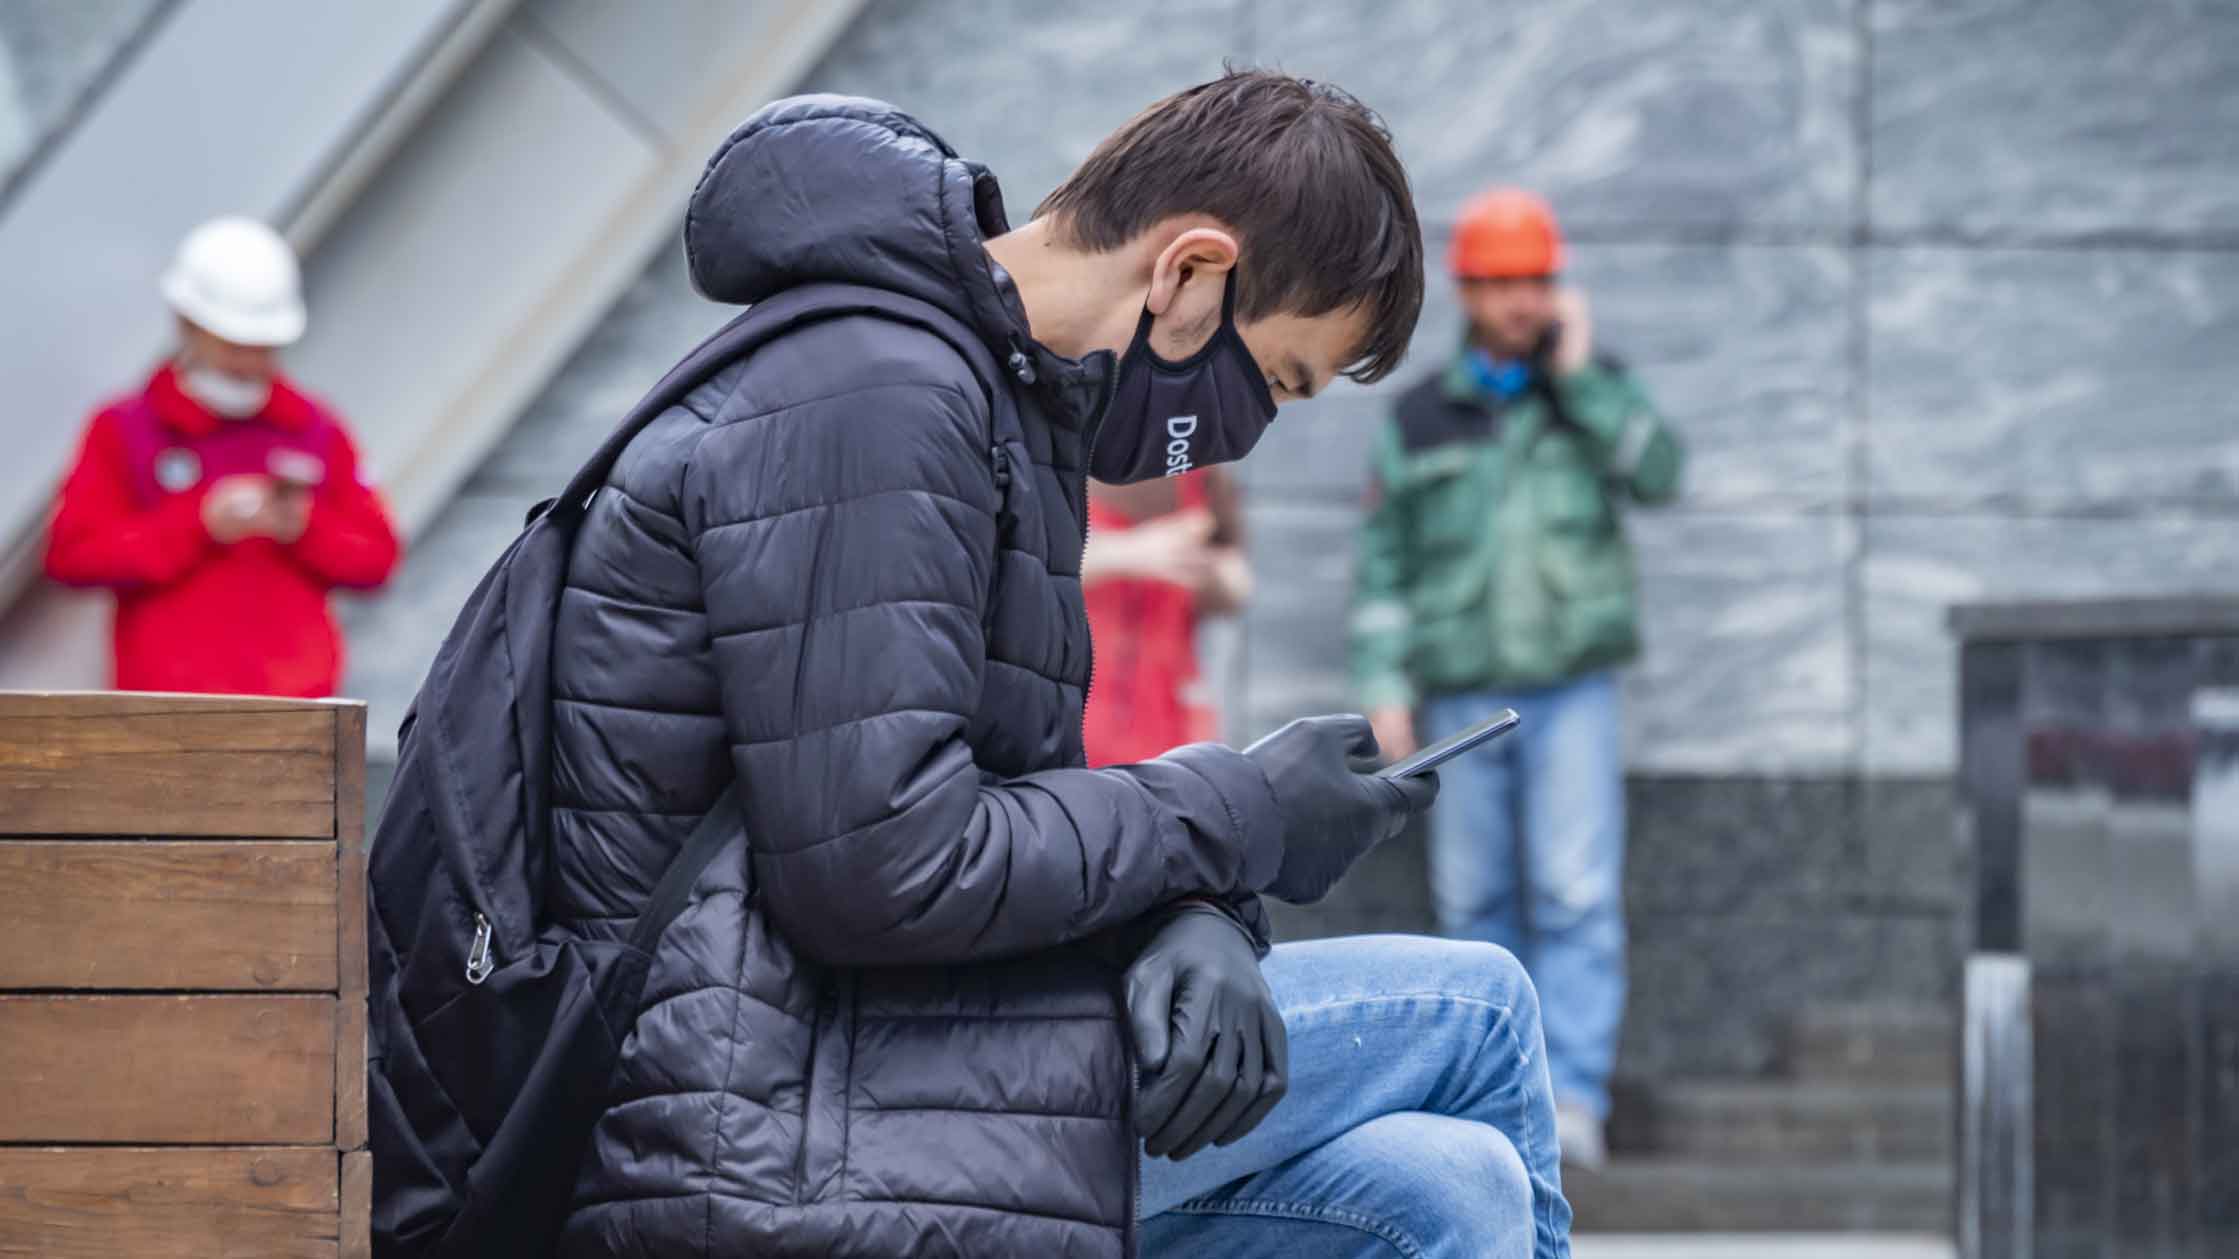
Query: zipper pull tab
<point x="479" y="962"/>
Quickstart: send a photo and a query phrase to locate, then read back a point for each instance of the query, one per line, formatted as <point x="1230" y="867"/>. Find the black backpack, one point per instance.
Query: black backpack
<point x="494" y="1033"/>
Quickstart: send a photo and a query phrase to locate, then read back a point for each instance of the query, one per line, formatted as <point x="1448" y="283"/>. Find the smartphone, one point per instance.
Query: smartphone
<point x="1447" y="749"/>
<point x="295" y="472"/>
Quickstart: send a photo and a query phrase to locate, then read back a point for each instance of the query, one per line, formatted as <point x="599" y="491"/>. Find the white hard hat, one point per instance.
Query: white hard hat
<point x="236" y="278"/>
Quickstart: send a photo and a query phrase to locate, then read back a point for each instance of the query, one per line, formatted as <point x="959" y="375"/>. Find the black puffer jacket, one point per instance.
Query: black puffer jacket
<point x="840" y="574"/>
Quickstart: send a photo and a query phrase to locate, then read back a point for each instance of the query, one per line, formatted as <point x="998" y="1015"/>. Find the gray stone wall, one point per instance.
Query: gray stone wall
<point x="1943" y="294"/>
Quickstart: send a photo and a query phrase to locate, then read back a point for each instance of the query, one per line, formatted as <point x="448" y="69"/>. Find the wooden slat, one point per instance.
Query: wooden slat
<point x="349" y="833"/>
<point x="349" y="1072"/>
<point x="153" y="765"/>
<point x="357" y="1205"/>
<point x="118" y="1203"/>
<point x="15" y="704"/>
<point x="253" y="916"/>
<point x="160" y="1070"/>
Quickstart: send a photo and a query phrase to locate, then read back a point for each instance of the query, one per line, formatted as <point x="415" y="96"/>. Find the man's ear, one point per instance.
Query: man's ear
<point x="1196" y="261"/>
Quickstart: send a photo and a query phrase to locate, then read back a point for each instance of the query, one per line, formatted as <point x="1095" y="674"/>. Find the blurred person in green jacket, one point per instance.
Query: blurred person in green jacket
<point x="1494" y="573"/>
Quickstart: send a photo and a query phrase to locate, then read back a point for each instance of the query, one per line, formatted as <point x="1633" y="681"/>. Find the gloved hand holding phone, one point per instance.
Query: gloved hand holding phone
<point x="1334" y="807"/>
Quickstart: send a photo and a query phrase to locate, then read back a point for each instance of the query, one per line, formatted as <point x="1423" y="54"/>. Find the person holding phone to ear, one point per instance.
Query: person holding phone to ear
<point x="1494" y="573"/>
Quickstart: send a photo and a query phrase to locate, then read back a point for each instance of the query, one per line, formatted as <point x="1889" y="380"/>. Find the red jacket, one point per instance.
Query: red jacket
<point x="1148" y="696"/>
<point x="194" y="615"/>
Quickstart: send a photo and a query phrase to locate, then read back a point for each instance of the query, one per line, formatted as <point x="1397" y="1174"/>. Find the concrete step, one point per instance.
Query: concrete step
<point x="1879" y="1044"/>
<point x="1685" y="1196"/>
<point x="1763" y="1246"/>
<point x="1779" y="1121"/>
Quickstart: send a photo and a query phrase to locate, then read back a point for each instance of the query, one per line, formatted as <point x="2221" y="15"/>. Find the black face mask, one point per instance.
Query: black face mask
<point x="1167" y="418"/>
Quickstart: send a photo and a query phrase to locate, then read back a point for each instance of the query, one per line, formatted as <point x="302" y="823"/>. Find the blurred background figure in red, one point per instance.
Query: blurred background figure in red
<point x="219" y="502"/>
<point x="1161" y="554"/>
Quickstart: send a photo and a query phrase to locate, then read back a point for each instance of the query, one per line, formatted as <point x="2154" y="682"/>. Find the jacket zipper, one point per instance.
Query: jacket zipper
<point x="1133" y="1241"/>
<point x="480" y="959"/>
<point x="1088" y="460"/>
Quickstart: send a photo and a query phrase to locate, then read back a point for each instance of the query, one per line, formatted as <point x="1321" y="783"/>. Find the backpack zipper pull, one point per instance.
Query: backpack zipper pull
<point x="479" y="962"/>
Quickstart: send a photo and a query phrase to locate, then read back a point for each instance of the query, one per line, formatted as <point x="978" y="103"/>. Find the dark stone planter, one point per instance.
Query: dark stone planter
<point x="2100" y="780"/>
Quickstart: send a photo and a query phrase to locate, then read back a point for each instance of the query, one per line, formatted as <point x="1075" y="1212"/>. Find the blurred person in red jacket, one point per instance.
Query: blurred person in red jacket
<point x="1161" y="554"/>
<point x="219" y="502"/>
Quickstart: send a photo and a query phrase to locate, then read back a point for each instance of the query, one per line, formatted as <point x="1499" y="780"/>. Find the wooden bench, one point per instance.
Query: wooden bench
<point x="182" y="977"/>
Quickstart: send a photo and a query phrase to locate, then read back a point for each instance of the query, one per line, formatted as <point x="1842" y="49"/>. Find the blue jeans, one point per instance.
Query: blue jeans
<point x="1556" y="788"/>
<point x="1418" y="1122"/>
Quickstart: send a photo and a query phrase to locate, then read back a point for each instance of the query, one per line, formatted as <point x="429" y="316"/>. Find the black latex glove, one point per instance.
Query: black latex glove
<point x="1334" y="807"/>
<point x="1211" y="1044"/>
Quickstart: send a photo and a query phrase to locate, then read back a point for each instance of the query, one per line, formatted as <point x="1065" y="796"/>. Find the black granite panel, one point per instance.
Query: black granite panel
<point x="2216" y="661"/>
<point x="2152" y="1161"/>
<point x="2216" y="1134"/>
<point x="1747" y="902"/>
<point x="2066" y="872"/>
<point x="2147" y="767"/>
<point x="1759" y="846"/>
<point x="2186" y="617"/>
<point x="2063" y="712"/>
<point x="1914" y="848"/>
<point x="2126" y="860"/>
<point x="1715" y="995"/>
<point x="2071" y="1024"/>
<point x="2148" y="700"/>
<point x="1990" y="774"/>
<point x="2215" y="833"/>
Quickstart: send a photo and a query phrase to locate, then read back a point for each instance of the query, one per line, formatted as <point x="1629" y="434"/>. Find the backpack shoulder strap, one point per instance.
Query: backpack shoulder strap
<point x="766" y="320"/>
<point x="710" y="837"/>
<point x="763" y="321"/>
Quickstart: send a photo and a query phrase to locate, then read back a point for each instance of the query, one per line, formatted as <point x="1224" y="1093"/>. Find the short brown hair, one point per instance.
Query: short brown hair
<point x="1301" y="170"/>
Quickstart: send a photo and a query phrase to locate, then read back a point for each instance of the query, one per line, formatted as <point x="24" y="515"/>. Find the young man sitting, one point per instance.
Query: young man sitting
<point x="959" y="994"/>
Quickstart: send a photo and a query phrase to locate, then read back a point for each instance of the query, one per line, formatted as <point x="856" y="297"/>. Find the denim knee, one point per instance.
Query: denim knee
<point x="1508" y="1187"/>
<point x="1492" y="973"/>
<point x="1462" y="1187"/>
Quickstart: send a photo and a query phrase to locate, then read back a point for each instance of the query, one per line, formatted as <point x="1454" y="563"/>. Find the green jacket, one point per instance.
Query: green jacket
<point x="1494" y="550"/>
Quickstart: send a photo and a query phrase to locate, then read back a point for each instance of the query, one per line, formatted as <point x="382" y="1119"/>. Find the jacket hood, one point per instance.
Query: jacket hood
<point x="840" y="189"/>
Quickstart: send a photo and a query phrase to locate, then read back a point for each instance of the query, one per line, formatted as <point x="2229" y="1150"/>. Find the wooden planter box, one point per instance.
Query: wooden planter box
<point x="182" y="977"/>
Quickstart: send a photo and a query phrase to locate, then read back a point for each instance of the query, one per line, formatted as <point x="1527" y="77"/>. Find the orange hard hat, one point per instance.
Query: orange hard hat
<point x="1505" y="233"/>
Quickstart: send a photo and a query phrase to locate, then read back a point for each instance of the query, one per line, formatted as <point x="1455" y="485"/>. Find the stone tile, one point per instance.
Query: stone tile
<point x="1628" y="113"/>
<point x="1713" y="994"/>
<point x="394" y="635"/>
<point x="1759" y="390"/>
<point x="2055" y="116"/>
<point x="1912" y="854"/>
<point x="1918" y="566"/>
<point x="1746" y="669"/>
<point x="2071" y="380"/>
<point x="1294" y="630"/>
<point x="1747" y="1246"/>
<point x="2073" y="1034"/>
<point x="1763" y="846"/>
<point x="1746" y="349"/>
<point x="1026" y="90"/>
<point x="1747" y="666"/>
<point x="655" y="323"/>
